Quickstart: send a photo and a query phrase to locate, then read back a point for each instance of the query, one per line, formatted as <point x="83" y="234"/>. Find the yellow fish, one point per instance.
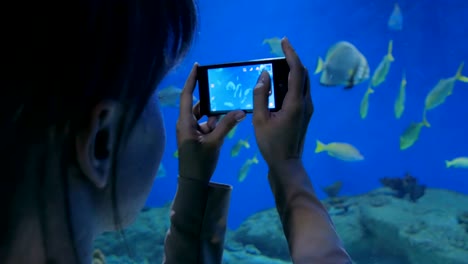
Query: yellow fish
<point x="342" y="151"/>
<point x="365" y="102"/>
<point x="244" y="170"/>
<point x="461" y="162"/>
<point x="238" y="146"/>
<point x="344" y="65"/>
<point x="232" y="132"/>
<point x="382" y="70"/>
<point x="411" y="134"/>
<point x="442" y="90"/>
<point x="400" y="101"/>
<point x="275" y="46"/>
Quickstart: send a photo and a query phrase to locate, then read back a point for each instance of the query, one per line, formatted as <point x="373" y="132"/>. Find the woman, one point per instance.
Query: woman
<point x="82" y="138"/>
<point x="199" y="210"/>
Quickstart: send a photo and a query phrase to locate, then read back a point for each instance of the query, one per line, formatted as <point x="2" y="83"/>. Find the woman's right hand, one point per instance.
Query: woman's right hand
<point x="280" y="135"/>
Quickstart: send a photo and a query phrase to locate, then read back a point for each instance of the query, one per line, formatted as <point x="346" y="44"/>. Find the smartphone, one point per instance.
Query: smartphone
<point x="229" y="86"/>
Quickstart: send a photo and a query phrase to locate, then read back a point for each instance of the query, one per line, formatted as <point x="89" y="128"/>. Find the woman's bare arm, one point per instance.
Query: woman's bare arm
<point x="308" y="228"/>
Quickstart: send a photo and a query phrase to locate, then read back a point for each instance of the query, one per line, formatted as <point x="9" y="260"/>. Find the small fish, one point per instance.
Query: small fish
<point x="238" y="146"/>
<point x="395" y="21"/>
<point x="176" y="154"/>
<point x="169" y="96"/>
<point x="400" y="101"/>
<point x="339" y="150"/>
<point x="161" y="171"/>
<point x="461" y="162"/>
<point x="344" y="65"/>
<point x="411" y="134"/>
<point x="229" y="104"/>
<point x="232" y="132"/>
<point x="442" y="90"/>
<point x="275" y="46"/>
<point x="365" y="103"/>
<point x="382" y="70"/>
<point x="244" y="170"/>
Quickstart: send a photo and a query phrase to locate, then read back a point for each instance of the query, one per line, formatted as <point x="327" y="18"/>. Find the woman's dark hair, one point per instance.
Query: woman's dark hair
<point x="60" y="59"/>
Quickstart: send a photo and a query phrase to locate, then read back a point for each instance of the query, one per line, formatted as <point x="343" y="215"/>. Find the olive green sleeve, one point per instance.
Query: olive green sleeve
<point x="198" y="223"/>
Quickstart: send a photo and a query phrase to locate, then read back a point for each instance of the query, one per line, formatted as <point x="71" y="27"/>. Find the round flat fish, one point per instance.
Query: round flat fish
<point x="344" y="65"/>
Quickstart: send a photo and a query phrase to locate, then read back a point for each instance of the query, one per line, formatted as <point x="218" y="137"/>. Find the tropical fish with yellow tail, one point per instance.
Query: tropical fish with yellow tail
<point x="400" y="101"/>
<point x="340" y="150"/>
<point x="365" y="102"/>
<point x="275" y="46"/>
<point x="461" y="162"/>
<point x="244" y="170"/>
<point x="344" y="65"/>
<point x="380" y="74"/>
<point x="442" y="90"/>
<point x="238" y="146"/>
<point x="411" y="134"/>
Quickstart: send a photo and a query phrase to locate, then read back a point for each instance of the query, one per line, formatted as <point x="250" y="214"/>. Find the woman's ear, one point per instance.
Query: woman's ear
<point x="96" y="144"/>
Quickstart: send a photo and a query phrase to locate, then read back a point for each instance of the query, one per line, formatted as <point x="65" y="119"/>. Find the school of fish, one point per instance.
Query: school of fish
<point x="345" y="65"/>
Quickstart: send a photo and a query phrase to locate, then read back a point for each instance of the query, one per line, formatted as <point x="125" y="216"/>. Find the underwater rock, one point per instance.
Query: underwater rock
<point x="337" y="206"/>
<point x="462" y="219"/>
<point x="378" y="201"/>
<point x="245" y="258"/>
<point x="397" y="231"/>
<point x="339" y="209"/>
<point x="251" y="249"/>
<point x="406" y="186"/>
<point x="335" y="201"/>
<point x="232" y="245"/>
<point x="144" y="237"/>
<point x="415" y="228"/>
<point x="264" y="231"/>
<point x="458" y="241"/>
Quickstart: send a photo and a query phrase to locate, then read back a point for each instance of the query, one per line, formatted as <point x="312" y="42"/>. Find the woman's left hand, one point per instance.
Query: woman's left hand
<point x="199" y="144"/>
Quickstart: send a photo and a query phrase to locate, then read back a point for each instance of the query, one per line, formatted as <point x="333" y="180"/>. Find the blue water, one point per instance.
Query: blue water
<point x="432" y="44"/>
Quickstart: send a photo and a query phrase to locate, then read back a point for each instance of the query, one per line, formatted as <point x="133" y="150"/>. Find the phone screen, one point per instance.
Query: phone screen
<point x="231" y="88"/>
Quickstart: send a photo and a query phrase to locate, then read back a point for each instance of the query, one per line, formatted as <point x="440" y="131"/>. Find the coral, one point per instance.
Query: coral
<point x="406" y="186"/>
<point x="98" y="257"/>
<point x="333" y="189"/>
<point x="462" y="219"/>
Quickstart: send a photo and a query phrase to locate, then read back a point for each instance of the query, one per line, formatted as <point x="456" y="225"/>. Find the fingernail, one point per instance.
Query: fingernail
<point x="239" y="116"/>
<point x="260" y="81"/>
<point x="288" y="44"/>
